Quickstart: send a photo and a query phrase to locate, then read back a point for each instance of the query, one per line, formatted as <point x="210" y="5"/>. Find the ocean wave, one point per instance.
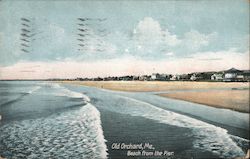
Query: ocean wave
<point x="62" y="91"/>
<point x="73" y="134"/>
<point x="208" y="137"/>
<point x="76" y="133"/>
<point x="34" y="89"/>
<point x="17" y="96"/>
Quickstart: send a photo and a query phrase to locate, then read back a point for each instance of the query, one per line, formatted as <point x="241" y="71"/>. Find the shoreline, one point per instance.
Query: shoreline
<point x="236" y="98"/>
<point x="157" y="86"/>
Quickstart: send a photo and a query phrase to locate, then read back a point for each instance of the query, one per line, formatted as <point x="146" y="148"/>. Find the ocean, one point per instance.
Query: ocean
<point x="51" y="120"/>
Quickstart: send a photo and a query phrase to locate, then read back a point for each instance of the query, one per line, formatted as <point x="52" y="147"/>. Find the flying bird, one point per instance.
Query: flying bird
<point x="26" y="35"/>
<point x="25" y="40"/>
<point x="81" y="35"/>
<point x="80" y="39"/>
<point x="24" y="45"/>
<point x="84" y="19"/>
<point x="25" y="30"/>
<point x="83" y="30"/>
<point x="81" y="24"/>
<point x="81" y="19"/>
<point x="81" y="45"/>
<point x="29" y="36"/>
<point x="25" y="51"/>
<point x="25" y="25"/>
<point x="24" y="19"/>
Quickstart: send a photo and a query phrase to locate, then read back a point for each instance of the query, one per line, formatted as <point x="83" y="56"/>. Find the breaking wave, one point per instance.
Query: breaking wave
<point x="66" y="92"/>
<point x="75" y="133"/>
<point x="34" y="89"/>
<point x="16" y="96"/>
<point x="70" y="135"/>
<point x="208" y="137"/>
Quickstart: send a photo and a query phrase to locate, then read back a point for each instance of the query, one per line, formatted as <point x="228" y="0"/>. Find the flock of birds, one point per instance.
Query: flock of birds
<point x="85" y="34"/>
<point x="26" y="35"/>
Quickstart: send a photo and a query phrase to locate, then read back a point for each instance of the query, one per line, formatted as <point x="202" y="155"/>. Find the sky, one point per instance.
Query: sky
<point x="83" y="38"/>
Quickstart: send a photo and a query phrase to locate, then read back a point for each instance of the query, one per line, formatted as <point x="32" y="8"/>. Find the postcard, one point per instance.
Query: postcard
<point x="124" y="79"/>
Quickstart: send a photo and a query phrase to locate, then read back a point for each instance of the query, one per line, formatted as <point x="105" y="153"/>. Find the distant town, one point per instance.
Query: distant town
<point x="231" y="75"/>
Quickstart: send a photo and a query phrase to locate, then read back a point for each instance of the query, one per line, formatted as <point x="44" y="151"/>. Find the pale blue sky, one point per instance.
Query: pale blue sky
<point x="146" y="30"/>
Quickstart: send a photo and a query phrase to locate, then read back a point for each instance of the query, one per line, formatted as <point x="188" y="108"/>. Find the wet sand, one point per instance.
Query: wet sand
<point x="237" y="100"/>
<point x="154" y="86"/>
<point x="236" y="97"/>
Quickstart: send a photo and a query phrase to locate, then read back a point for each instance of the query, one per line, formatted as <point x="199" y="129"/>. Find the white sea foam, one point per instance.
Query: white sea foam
<point x="208" y="137"/>
<point x="74" y="134"/>
<point x="66" y="92"/>
<point x="34" y="89"/>
<point x="240" y="138"/>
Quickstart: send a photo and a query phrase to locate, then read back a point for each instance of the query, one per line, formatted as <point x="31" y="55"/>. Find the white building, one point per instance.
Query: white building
<point x="231" y="75"/>
<point x="175" y="78"/>
<point x="217" y="77"/>
<point x="154" y="76"/>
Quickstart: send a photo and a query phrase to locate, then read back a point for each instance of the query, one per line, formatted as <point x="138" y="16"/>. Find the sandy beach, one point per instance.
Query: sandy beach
<point x="236" y="98"/>
<point x="231" y="99"/>
<point x="154" y="86"/>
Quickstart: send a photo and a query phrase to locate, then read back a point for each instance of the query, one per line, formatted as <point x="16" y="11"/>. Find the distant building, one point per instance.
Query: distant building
<point x="228" y="75"/>
<point x="185" y="77"/>
<point x="233" y="75"/>
<point x="246" y="74"/>
<point x="127" y="78"/>
<point x="159" y="77"/>
<point x="164" y="77"/>
<point x="135" y="78"/>
<point x="144" y="78"/>
<point x="240" y="77"/>
<point x="217" y="77"/>
<point x="155" y="76"/>
<point x="193" y="77"/>
<point x="196" y="77"/>
<point x="175" y="78"/>
<point x="201" y="76"/>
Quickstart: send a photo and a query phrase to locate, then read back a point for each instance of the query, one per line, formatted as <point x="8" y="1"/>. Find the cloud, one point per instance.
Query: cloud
<point x="149" y="36"/>
<point x="221" y="60"/>
<point x="161" y="36"/>
<point x="213" y="59"/>
<point x="153" y="40"/>
<point x="169" y="54"/>
<point x="146" y="39"/>
<point x="148" y="30"/>
<point x="126" y="66"/>
<point x="171" y="39"/>
<point x="193" y="40"/>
